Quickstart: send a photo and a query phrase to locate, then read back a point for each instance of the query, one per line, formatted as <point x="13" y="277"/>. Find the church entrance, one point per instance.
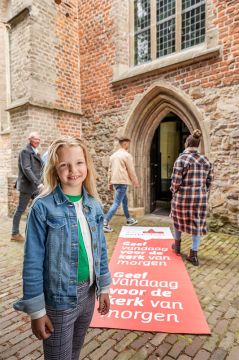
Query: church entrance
<point x="168" y="142"/>
<point x="158" y="124"/>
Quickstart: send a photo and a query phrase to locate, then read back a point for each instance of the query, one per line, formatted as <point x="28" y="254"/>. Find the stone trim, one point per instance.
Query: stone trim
<point x="153" y="32"/>
<point x="178" y="26"/>
<point x="5" y="132"/>
<point x="167" y="63"/>
<point x="16" y="19"/>
<point x="24" y="101"/>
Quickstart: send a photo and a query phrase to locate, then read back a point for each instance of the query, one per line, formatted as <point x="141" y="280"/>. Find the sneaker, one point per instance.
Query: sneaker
<point x="17" y="237"/>
<point x="107" y="228"/>
<point x="131" y="221"/>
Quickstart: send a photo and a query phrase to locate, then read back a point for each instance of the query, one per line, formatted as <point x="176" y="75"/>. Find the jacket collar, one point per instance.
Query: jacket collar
<point x="29" y="148"/>
<point x="60" y="197"/>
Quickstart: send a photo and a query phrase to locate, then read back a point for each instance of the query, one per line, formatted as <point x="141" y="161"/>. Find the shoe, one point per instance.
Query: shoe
<point x="193" y="258"/>
<point x="107" y="228"/>
<point x="17" y="237"/>
<point x="177" y="247"/>
<point x="131" y="221"/>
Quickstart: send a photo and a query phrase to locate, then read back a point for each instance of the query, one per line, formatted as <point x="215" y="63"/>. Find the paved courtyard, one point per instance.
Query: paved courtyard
<point x="216" y="283"/>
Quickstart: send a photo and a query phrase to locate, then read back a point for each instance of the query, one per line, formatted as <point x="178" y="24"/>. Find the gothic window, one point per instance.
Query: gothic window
<point x="163" y="27"/>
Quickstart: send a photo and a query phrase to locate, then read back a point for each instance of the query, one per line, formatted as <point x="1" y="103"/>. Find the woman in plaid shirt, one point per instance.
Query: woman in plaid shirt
<point x="191" y="179"/>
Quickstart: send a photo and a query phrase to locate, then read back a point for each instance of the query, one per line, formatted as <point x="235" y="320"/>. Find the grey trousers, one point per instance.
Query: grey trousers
<point x="23" y="201"/>
<point x="70" y="326"/>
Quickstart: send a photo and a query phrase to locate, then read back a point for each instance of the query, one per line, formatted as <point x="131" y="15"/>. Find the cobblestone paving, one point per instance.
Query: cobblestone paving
<point x="216" y="282"/>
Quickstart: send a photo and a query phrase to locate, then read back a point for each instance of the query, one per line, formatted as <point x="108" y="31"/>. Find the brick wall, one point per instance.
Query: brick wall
<point x="45" y="81"/>
<point x="17" y="5"/>
<point x="45" y="55"/>
<point x="3" y="67"/>
<point x="3" y="95"/>
<point x="20" y="66"/>
<point x="68" y="56"/>
<point x="212" y="86"/>
<point x="5" y="148"/>
<point x="5" y="170"/>
<point x="99" y="94"/>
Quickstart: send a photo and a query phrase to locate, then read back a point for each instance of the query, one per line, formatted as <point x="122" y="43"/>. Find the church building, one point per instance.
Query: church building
<point x="153" y="70"/>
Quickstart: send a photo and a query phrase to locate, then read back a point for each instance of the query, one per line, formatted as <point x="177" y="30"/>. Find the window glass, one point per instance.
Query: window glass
<point x="193" y="22"/>
<point x="165" y="27"/>
<point x="142" y="31"/>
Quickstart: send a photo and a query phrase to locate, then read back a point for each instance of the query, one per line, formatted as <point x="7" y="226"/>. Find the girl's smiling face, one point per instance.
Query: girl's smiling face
<point x="71" y="169"/>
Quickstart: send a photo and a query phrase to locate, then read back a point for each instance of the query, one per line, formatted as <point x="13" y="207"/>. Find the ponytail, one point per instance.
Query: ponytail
<point x="194" y="139"/>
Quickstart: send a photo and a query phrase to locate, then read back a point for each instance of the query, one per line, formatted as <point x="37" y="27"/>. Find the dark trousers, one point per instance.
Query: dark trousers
<point x="21" y="207"/>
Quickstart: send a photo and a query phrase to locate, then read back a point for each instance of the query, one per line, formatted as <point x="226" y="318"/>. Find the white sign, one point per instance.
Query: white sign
<point x="146" y="233"/>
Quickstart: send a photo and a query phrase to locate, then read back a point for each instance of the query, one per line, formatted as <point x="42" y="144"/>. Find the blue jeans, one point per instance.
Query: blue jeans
<point x="120" y="197"/>
<point x="196" y="239"/>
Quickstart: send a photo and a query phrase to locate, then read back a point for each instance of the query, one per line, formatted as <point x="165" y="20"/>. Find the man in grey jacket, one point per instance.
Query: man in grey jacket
<point x="29" y="180"/>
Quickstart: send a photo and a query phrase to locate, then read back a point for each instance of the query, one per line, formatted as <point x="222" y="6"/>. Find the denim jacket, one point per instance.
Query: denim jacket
<point x="51" y="252"/>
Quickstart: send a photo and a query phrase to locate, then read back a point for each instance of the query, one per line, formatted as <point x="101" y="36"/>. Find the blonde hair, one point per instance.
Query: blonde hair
<point x="50" y="177"/>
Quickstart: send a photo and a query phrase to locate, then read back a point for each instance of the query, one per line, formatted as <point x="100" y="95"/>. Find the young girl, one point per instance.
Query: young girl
<point x="65" y="260"/>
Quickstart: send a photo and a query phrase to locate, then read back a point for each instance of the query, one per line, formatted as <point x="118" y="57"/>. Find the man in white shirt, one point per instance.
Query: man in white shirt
<point x="121" y="175"/>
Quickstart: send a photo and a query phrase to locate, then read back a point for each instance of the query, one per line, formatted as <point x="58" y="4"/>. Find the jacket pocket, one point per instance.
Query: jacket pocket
<point x="56" y="222"/>
<point x="57" y="239"/>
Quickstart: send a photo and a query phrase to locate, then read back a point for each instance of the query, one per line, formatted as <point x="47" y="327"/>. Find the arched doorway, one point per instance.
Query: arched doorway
<point x="147" y="112"/>
<point x="167" y="144"/>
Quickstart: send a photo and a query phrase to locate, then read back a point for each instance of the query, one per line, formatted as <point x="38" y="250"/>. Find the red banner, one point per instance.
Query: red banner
<point x="151" y="289"/>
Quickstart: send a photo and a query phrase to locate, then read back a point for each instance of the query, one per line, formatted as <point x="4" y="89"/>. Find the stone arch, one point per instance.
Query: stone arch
<point x="146" y="113"/>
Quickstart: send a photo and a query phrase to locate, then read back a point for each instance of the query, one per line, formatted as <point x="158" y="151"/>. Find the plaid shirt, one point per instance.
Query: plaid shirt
<point x="191" y="179"/>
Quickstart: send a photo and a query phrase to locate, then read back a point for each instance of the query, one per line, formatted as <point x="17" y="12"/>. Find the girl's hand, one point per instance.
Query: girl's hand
<point x="42" y="328"/>
<point x="104" y="304"/>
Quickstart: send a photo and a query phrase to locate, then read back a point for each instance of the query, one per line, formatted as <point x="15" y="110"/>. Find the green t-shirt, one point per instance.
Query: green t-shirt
<point x="83" y="263"/>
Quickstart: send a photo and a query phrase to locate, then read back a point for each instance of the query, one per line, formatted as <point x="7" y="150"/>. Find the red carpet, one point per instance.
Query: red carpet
<point x="151" y="289"/>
